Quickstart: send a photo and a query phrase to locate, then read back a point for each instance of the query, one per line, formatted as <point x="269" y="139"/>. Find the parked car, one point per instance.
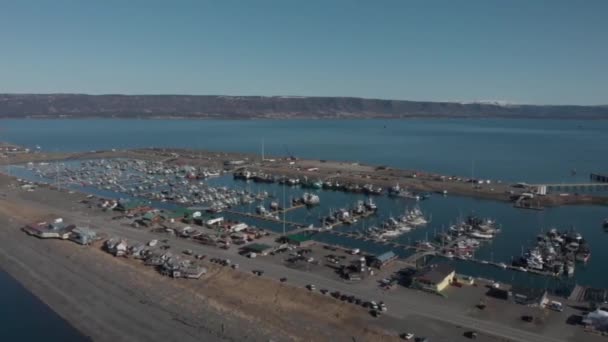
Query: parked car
<point x="527" y="318"/>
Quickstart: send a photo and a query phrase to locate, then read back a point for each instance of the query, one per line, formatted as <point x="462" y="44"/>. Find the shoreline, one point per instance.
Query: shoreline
<point x="343" y="171"/>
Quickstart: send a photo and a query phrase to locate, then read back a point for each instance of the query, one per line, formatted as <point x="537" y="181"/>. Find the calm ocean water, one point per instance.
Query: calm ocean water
<point x="26" y="318"/>
<point x="513" y="150"/>
<point x="510" y="150"/>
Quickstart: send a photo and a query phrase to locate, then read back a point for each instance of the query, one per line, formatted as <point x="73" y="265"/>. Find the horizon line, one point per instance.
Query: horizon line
<point x="499" y="103"/>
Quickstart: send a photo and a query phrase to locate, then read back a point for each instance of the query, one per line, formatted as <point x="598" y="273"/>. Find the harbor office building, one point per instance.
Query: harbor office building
<point x="435" y="278"/>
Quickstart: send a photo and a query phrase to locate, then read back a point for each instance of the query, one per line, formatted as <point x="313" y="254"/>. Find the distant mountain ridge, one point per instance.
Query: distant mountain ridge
<point x="272" y="107"/>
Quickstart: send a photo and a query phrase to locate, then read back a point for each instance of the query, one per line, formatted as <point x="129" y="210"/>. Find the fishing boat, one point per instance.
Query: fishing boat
<point x="480" y="235"/>
<point x="370" y="205"/>
<point x="414" y="217"/>
<point x="310" y="199"/>
<point x="397" y="191"/>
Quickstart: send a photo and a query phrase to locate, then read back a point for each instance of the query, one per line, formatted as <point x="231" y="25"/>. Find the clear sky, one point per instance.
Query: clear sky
<point x="525" y="51"/>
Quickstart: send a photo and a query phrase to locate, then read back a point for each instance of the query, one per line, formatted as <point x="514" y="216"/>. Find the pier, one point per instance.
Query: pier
<point x="596" y="177"/>
<point x="599" y="186"/>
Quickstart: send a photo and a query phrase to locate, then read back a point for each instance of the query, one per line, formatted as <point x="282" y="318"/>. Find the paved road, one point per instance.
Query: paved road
<point x="401" y="305"/>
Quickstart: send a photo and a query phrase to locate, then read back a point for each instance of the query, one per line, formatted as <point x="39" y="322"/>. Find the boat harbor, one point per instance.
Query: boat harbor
<point x="292" y="204"/>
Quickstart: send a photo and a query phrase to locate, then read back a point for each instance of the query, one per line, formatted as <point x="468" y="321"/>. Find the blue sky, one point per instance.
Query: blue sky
<point x="540" y="52"/>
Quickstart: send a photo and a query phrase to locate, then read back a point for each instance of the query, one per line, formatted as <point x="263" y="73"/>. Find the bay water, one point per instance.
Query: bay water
<point x="534" y="151"/>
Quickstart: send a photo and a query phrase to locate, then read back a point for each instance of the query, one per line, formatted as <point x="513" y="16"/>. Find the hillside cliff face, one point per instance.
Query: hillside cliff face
<point x="279" y="107"/>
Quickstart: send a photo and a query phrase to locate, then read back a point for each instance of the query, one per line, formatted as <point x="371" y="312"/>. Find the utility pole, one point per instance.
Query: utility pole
<point x="284" y="207"/>
<point x="472" y="173"/>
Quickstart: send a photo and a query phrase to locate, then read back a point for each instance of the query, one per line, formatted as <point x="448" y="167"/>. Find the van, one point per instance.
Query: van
<point x="555" y="306"/>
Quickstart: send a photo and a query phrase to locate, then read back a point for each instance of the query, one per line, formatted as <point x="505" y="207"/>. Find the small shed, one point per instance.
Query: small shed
<point x="83" y="235"/>
<point x="383" y="259"/>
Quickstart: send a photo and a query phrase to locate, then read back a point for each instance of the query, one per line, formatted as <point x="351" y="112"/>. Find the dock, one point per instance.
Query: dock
<point x="524" y="203"/>
<point x="294" y="207"/>
<point x="596" y="177"/>
<point x="265" y="218"/>
<point x="601" y="184"/>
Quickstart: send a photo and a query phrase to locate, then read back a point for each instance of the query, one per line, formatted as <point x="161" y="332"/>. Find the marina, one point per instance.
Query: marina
<point x="369" y="219"/>
<point x="304" y="171"/>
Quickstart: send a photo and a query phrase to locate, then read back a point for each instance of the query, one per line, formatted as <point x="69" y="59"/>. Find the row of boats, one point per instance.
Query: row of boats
<point x="308" y="199"/>
<point x="305" y="182"/>
<point x="556" y="252"/>
<point x="394" y="227"/>
<point x="151" y="180"/>
<point x="350" y="216"/>
<point x="464" y="237"/>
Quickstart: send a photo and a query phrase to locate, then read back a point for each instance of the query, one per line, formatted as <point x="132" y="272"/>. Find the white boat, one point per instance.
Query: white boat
<point x="479" y="235"/>
<point x="414" y="217"/>
<point x="389" y="234"/>
<point x="370" y="205"/>
<point x="310" y="199"/>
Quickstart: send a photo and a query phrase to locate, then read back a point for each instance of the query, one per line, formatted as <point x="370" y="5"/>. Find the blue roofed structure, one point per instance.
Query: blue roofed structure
<point x="383" y="259"/>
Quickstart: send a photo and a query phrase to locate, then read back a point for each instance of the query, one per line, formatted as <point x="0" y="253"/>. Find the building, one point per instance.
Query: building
<point x="150" y="218"/>
<point x="83" y="235"/>
<point x="299" y="240"/>
<point x="128" y="205"/>
<point x="176" y="268"/>
<point x="383" y="259"/>
<point x="528" y="295"/>
<point x="180" y="214"/>
<point x="434" y="278"/>
<point x="117" y="247"/>
<point x="138" y="250"/>
<point x="257" y="248"/>
<point x="44" y="230"/>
